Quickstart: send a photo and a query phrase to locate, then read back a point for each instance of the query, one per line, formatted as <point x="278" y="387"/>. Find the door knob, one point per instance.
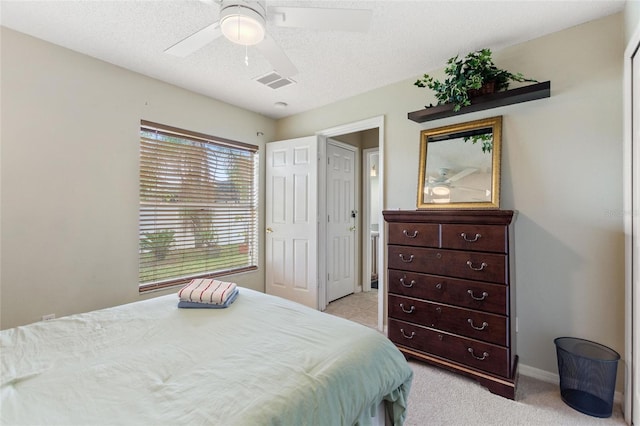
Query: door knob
<point x="269" y="230"/>
<point x="353" y="228"/>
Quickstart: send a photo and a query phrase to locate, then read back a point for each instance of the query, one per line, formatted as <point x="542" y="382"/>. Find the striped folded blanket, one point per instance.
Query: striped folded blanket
<point x="230" y="299"/>
<point x="201" y="290"/>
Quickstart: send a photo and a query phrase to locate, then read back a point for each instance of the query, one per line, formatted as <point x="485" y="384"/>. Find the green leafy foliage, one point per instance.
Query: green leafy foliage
<point x="485" y="138"/>
<point x="157" y="242"/>
<point x="468" y="74"/>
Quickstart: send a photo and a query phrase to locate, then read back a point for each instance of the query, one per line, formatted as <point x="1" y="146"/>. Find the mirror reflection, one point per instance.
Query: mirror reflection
<point x="460" y="165"/>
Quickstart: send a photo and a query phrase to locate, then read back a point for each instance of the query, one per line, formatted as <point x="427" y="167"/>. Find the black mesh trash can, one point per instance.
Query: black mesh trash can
<point x="587" y="375"/>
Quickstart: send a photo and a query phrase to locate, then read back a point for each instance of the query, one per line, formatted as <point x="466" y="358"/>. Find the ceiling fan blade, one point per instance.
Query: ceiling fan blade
<point x="276" y="57"/>
<point x="463" y="173"/>
<point x="195" y="41"/>
<point x="487" y="192"/>
<point x="357" y="20"/>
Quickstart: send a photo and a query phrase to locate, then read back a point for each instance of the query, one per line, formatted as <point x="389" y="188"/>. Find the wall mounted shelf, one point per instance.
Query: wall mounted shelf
<point x="494" y="100"/>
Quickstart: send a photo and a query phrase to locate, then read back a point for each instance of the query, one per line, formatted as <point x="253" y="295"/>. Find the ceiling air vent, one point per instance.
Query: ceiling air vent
<point x="274" y="80"/>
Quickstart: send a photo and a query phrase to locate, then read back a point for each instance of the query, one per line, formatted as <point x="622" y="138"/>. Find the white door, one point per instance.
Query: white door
<point x="341" y="221"/>
<point x="291" y="220"/>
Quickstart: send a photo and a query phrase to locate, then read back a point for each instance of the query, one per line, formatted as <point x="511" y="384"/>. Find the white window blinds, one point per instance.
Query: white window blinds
<point x="198" y="206"/>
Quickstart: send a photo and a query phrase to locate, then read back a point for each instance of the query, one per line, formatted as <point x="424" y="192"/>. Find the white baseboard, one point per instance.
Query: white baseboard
<point x="536" y="373"/>
<point x="549" y="377"/>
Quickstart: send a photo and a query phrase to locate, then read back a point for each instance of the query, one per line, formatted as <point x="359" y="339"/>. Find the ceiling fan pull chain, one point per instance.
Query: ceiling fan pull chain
<point x="239" y="35"/>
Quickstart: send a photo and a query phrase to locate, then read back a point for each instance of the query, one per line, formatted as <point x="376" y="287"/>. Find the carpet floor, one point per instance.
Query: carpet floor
<point x="358" y="307"/>
<point x="439" y="397"/>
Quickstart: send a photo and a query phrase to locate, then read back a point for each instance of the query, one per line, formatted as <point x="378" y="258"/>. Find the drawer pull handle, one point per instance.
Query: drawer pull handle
<point x="413" y="333"/>
<point x="406" y="233"/>
<point x="439" y="286"/>
<point x="484" y="295"/>
<point x="479" y="358"/>
<point x="470" y="264"/>
<point x="407" y="285"/>
<point x="469" y="240"/>
<point x="484" y="325"/>
<point x="404" y="259"/>
<point x="410" y="311"/>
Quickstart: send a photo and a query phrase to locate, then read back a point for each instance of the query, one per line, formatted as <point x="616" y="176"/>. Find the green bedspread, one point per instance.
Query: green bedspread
<point x="262" y="361"/>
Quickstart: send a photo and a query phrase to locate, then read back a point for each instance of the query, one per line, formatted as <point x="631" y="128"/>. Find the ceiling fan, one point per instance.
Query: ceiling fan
<point x="443" y="176"/>
<point x="441" y="185"/>
<point x="244" y="22"/>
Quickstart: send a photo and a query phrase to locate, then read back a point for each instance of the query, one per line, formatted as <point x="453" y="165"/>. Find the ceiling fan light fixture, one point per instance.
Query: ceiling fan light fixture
<point x="441" y="194"/>
<point x="242" y="24"/>
<point x="441" y="191"/>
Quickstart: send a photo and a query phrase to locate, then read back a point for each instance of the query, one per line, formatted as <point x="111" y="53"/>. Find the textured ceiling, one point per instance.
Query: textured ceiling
<point x="406" y="39"/>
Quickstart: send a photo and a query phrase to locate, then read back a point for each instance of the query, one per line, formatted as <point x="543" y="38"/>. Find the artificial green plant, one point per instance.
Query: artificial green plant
<point x="467" y="75"/>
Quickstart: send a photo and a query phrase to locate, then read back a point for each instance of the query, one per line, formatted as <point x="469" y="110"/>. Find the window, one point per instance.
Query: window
<point x="198" y="206"/>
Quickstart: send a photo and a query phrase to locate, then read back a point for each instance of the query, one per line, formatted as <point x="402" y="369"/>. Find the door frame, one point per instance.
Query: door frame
<point x="631" y="207"/>
<point x="358" y="207"/>
<point x="323" y="135"/>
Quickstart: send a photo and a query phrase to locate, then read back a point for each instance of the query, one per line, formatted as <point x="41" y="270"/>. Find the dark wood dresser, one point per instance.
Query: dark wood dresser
<point x="451" y="295"/>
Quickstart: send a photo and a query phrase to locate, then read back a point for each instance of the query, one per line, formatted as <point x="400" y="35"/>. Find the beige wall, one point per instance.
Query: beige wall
<point x="69" y="174"/>
<point x="562" y="162"/>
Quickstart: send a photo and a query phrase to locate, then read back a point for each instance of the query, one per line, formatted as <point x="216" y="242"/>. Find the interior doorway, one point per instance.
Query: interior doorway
<point x="366" y="135"/>
<point x="370" y="218"/>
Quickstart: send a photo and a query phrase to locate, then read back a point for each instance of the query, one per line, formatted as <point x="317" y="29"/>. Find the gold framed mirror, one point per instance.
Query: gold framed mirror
<point x="460" y="166"/>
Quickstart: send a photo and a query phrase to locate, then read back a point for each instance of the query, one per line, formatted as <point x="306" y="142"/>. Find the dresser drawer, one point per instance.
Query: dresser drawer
<point x="483" y="356"/>
<point x="491" y="238"/>
<point x="489" y="267"/>
<point x="470" y="294"/>
<point x="414" y="234"/>
<point x="475" y="324"/>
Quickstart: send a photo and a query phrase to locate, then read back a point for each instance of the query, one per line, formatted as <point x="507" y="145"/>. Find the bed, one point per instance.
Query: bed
<point x="261" y="361"/>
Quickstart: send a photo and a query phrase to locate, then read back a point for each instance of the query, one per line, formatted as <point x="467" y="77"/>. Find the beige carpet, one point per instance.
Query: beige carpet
<point x="358" y="307"/>
<point x="439" y="397"/>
